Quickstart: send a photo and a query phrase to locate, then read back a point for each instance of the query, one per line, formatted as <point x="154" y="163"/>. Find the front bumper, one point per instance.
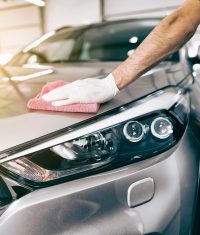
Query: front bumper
<point x="97" y="204"/>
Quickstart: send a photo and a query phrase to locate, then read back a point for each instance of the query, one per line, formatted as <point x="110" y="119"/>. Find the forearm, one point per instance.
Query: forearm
<point x="174" y="31"/>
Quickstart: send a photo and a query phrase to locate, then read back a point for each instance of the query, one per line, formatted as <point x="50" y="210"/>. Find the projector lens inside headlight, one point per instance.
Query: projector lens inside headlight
<point x="161" y="128"/>
<point x="134" y="131"/>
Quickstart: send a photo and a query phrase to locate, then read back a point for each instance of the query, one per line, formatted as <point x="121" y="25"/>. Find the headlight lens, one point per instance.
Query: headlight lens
<point x="76" y="156"/>
<point x="117" y="145"/>
<point x="135" y="131"/>
<point x="161" y="128"/>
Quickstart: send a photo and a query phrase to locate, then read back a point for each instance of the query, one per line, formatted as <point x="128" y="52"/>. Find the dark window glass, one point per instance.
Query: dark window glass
<point x="113" y="41"/>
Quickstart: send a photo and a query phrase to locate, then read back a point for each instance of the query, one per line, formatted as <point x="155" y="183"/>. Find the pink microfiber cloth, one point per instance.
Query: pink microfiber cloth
<point x="39" y="104"/>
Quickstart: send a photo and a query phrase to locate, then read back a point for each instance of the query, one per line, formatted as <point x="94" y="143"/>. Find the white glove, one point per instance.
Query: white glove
<point x="89" y="90"/>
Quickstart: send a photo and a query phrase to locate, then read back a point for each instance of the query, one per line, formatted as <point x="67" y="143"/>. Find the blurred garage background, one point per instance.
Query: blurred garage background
<point x="23" y="21"/>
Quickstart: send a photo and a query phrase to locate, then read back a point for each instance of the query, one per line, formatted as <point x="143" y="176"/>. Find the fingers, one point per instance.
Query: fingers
<point x="63" y="102"/>
<point x="59" y="93"/>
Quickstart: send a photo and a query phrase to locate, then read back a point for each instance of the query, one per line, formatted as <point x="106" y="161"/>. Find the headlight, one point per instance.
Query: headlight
<point x="162" y="127"/>
<point x="135" y="131"/>
<point x="127" y="135"/>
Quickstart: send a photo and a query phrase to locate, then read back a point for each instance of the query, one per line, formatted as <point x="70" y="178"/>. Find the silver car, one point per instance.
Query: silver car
<point x="130" y="169"/>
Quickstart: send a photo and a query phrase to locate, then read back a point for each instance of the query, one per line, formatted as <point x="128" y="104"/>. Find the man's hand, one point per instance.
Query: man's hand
<point x="90" y="90"/>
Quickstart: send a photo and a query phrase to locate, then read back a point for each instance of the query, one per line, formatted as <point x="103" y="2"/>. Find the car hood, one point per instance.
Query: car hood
<point x="19" y="125"/>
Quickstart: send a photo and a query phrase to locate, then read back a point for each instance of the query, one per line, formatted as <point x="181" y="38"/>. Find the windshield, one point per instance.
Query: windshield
<point x="113" y="41"/>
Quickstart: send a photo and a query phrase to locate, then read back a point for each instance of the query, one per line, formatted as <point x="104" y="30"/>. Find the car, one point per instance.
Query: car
<point x="132" y="168"/>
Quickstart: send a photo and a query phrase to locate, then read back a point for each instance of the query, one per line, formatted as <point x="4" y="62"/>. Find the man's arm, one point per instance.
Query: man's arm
<point x="171" y="34"/>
